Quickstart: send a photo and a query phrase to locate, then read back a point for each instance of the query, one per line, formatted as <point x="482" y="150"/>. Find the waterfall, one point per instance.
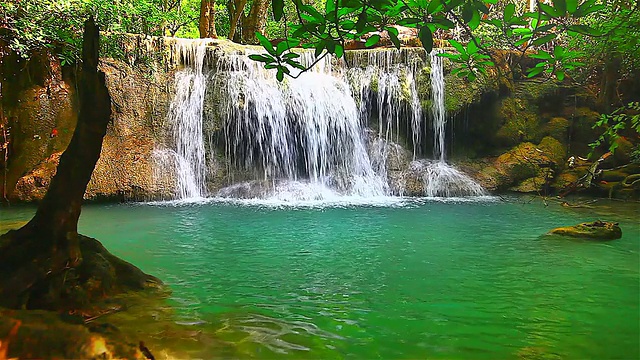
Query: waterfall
<point x="438" y="110"/>
<point x="185" y="118"/>
<point x="299" y="134"/>
<point x="439" y="178"/>
<point x="331" y="132"/>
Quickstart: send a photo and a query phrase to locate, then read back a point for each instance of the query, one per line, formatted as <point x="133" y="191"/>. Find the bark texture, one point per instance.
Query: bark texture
<point x="256" y="21"/>
<point x="207" y="19"/>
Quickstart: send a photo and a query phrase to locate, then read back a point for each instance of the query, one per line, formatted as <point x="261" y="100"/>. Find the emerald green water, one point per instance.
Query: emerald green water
<point x="416" y="279"/>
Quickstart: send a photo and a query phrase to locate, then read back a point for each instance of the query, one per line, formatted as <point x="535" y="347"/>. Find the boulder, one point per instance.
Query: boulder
<point x="597" y="230"/>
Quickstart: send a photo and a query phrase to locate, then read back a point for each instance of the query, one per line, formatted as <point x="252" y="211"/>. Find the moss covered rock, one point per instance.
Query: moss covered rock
<point x="597" y="230"/>
<point x="519" y="123"/>
<point x="554" y="150"/>
<point x="558" y="128"/>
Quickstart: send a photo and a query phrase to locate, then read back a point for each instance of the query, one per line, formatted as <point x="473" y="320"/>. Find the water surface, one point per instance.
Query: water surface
<point x="406" y="279"/>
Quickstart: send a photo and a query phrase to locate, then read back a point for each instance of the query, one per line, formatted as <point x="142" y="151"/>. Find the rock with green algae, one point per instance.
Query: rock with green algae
<point x="519" y="122"/>
<point x="558" y="128"/>
<point x="554" y="150"/>
<point x="524" y="168"/>
<point x="597" y="230"/>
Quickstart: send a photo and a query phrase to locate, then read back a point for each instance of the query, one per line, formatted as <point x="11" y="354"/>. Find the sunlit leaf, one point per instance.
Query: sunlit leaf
<point x="372" y="40"/>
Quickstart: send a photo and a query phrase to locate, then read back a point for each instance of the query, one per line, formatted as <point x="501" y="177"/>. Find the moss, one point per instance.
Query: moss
<point x="565" y="179"/>
<point x="460" y="93"/>
<point x="520" y="122"/>
<point x="597" y="230"/>
<point x="374" y="82"/>
<point x="558" y="128"/>
<point x="622" y="154"/>
<point x="554" y="150"/>
<point x="535" y="90"/>
<point x="530" y="185"/>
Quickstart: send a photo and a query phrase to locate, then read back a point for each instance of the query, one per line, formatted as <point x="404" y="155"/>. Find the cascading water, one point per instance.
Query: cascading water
<point x="439" y="178"/>
<point x="304" y="136"/>
<point x="185" y="118"/>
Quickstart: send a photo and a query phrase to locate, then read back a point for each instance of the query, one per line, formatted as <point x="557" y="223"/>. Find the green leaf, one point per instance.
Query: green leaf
<point x="475" y="20"/>
<point x="534" y="71"/>
<point x="584" y="29"/>
<point x="330" y="6"/>
<point x="278" y="9"/>
<point x="291" y="55"/>
<point x="265" y="43"/>
<point x="467" y="13"/>
<point x="280" y="74"/>
<point x="472" y="48"/>
<point x="319" y="48"/>
<point x="550" y="10"/>
<point x="558" y="52"/>
<point x="286" y="45"/>
<point x="339" y="51"/>
<point x="509" y="10"/>
<point x="541" y="55"/>
<point x="372" y="40"/>
<point x="261" y="58"/>
<point x="408" y="22"/>
<point x="444" y="23"/>
<point x="572" y="6"/>
<point x="393" y="36"/>
<point x="458" y="46"/>
<point x="426" y="38"/>
<point x="434" y="6"/>
<point x="560" y="75"/>
<point x="561" y="6"/>
<point x="543" y="40"/>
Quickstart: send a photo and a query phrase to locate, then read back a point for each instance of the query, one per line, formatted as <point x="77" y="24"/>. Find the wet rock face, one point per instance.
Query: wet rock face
<point x="597" y="230"/>
<point x="140" y="101"/>
<point x="525" y="168"/>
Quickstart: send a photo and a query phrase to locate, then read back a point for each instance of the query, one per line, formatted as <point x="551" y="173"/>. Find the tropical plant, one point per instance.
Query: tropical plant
<point x="625" y="117"/>
<point x="327" y="30"/>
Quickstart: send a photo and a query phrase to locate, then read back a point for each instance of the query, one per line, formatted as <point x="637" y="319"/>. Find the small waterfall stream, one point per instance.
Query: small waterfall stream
<point x="305" y="138"/>
<point x="441" y="179"/>
<point x="185" y="118"/>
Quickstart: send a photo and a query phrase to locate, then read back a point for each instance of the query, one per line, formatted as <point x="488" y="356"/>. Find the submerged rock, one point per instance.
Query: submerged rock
<point x="597" y="230"/>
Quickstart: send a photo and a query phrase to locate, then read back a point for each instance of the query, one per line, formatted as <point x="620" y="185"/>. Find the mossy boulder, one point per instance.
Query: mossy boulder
<point x="558" y="128"/>
<point x="622" y="154"/>
<point x="597" y="230"/>
<point x="554" y="150"/>
<point x="524" y="168"/>
<point x="519" y="123"/>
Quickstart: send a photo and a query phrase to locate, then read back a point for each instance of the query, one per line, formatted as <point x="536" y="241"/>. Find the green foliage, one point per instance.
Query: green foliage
<point x="57" y="25"/>
<point x="470" y="60"/>
<point x="627" y="116"/>
<point x="619" y="26"/>
<point x="328" y="29"/>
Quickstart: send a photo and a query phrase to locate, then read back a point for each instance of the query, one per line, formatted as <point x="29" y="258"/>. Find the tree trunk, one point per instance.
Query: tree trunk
<point x="207" y="19"/>
<point x="255" y="22"/>
<point x="234" y="15"/>
<point x="35" y="260"/>
<point x="609" y="83"/>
